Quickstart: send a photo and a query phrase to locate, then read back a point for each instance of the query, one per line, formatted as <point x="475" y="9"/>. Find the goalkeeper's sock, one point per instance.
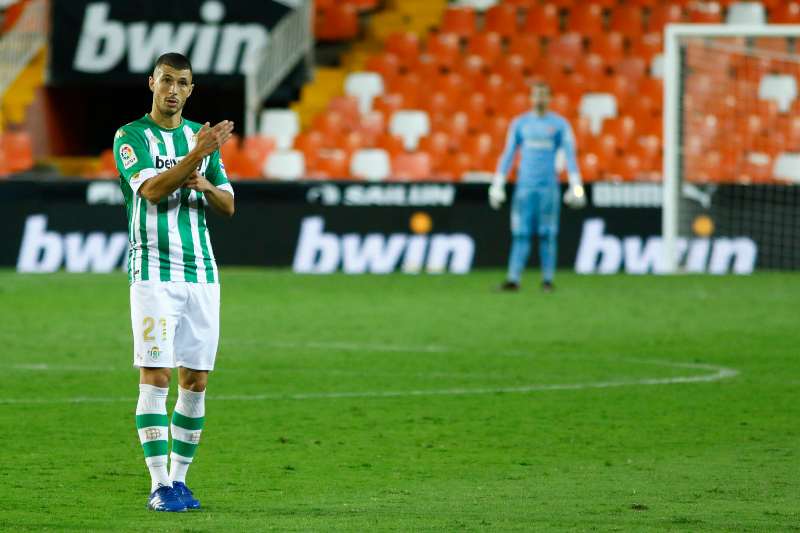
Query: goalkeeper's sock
<point x="187" y="425"/>
<point x="153" y="426"/>
<point x="520" y="249"/>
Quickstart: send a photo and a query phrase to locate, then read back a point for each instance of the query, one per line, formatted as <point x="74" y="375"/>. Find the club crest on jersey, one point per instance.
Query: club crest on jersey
<point x="120" y="133"/>
<point x="127" y="156"/>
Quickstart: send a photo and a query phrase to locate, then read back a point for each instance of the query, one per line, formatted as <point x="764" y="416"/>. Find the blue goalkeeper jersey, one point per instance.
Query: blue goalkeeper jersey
<point x="539" y="138"/>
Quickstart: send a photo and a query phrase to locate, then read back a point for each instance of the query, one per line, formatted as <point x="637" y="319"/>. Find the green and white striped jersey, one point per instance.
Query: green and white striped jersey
<point x="169" y="241"/>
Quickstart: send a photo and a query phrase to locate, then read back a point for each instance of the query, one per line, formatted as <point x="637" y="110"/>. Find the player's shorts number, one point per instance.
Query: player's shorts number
<point x="149" y="324"/>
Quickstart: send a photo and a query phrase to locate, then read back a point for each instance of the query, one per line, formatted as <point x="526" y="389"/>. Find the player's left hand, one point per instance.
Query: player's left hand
<point x="198" y="182"/>
<point x="575" y="197"/>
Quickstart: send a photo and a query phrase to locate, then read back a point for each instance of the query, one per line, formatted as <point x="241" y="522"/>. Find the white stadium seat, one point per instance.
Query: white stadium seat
<point x="598" y="107"/>
<point x="477" y="5"/>
<point x="365" y="86"/>
<point x="280" y="124"/>
<point x="787" y="167"/>
<point x="746" y="13"/>
<point x="372" y="164"/>
<point x="779" y="87"/>
<point x="285" y="165"/>
<point x="657" y="66"/>
<point x="410" y="125"/>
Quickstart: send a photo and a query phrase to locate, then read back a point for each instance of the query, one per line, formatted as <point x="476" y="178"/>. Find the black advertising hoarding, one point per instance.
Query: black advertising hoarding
<point x="119" y="41"/>
<point x="318" y="227"/>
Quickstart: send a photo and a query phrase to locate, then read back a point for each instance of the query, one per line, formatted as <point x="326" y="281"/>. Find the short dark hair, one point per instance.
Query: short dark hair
<point x="174" y="60"/>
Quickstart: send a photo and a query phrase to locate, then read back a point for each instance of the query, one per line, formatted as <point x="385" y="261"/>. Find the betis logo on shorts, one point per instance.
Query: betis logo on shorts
<point x="127" y="156"/>
<point x="154" y="353"/>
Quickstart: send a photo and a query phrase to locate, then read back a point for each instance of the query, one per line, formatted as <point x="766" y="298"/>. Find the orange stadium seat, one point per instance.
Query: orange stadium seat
<point x="459" y="21"/>
<point x="393" y="145"/>
<point x="437" y="144"/>
<point x="611" y="46"/>
<point x="623" y="128"/>
<point x="403" y="44"/>
<point x="501" y="19"/>
<point x="586" y="19"/>
<point x="388" y="103"/>
<point x="414" y="166"/>
<point x="444" y="47"/>
<point x="371" y="125"/>
<point x="785" y="13"/>
<point x="387" y="65"/>
<point x="705" y="13"/>
<point x="350" y="142"/>
<point x="592" y="66"/>
<point x="526" y="45"/>
<point x="647" y="46"/>
<point x="626" y="167"/>
<point x="338" y="22"/>
<point x="663" y="14"/>
<point x="632" y="68"/>
<point x="487" y="45"/>
<point x="589" y="164"/>
<point x="582" y="129"/>
<point x="627" y="19"/>
<point x="347" y="106"/>
<point x="330" y="163"/>
<point x="566" y="49"/>
<point x="472" y="69"/>
<point x="18" y="149"/>
<point x="310" y="143"/>
<point x="330" y="123"/>
<point x="542" y="20"/>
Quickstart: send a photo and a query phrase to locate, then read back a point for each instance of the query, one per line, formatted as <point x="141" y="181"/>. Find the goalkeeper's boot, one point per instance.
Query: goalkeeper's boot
<point x="508" y="286"/>
<point x="186" y="495"/>
<point x="166" y="499"/>
<point x="547" y="286"/>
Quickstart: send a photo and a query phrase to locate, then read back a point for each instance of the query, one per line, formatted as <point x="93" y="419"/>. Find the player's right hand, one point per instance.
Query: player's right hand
<point x="497" y="195"/>
<point x="209" y="139"/>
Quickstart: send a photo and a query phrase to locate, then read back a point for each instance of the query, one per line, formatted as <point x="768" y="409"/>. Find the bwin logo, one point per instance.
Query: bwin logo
<point x="215" y="48"/>
<point x="47" y="251"/>
<point x="323" y="253"/>
<point x="165" y="163"/>
<point x="605" y="254"/>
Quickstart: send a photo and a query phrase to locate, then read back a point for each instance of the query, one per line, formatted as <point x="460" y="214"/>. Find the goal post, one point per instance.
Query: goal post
<point x="723" y="131"/>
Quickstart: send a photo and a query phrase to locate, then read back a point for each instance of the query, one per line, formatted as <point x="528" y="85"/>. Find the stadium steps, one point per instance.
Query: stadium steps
<point x="22" y="91"/>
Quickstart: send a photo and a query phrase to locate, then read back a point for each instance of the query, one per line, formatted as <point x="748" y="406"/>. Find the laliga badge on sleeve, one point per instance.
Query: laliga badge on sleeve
<point x="127" y="156"/>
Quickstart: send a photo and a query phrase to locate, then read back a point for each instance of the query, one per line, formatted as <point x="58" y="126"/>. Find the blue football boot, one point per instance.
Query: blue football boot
<point x="186" y="495"/>
<point x="166" y="499"/>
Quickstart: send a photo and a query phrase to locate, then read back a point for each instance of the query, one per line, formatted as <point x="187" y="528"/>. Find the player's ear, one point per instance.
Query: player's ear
<point x="191" y="88"/>
<point x="152" y="83"/>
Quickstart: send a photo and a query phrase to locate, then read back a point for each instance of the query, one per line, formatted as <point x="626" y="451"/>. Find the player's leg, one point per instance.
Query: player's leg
<point x="153" y="323"/>
<point x="521" y="226"/>
<point x="549" y="210"/>
<point x="196" y="343"/>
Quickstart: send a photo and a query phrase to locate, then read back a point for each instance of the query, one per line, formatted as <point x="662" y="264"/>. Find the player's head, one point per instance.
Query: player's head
<point x="171" y="83"/>
<point x="540" y="96"/>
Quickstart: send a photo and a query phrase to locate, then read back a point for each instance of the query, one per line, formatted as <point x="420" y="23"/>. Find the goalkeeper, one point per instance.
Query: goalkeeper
<point x="535" y="206"/>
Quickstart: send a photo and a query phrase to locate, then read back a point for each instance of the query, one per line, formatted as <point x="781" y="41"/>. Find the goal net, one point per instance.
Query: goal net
<point x="731" y="148"/>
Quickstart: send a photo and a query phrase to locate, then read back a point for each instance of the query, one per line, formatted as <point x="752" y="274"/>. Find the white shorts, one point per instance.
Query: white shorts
<point x="175" y="324"/>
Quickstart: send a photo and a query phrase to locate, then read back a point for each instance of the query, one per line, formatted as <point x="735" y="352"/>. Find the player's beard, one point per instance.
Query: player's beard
<point x="168" y="111"/>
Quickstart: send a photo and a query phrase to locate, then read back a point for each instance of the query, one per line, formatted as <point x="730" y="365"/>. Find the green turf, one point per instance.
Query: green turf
<point x="386" y="403"/>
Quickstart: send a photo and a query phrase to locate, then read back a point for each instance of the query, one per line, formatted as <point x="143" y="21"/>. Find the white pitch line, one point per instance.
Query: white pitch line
<point x="718" y="373"/>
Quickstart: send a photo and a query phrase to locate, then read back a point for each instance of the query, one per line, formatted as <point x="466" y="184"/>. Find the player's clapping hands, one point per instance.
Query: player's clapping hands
<point x="198" y="183"/>
<point x="210" y="138"/>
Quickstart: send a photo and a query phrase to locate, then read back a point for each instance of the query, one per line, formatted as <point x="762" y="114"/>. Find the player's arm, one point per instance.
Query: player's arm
<point x="497" y="192"/>
<point x="216" y="188"/>
<point x="575" y="195"/>
<point x="208" y="140"/>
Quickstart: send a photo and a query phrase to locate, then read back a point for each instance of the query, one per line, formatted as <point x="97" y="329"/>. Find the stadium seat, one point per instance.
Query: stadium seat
<point x="501" y="19"/>
<point x="350" y="142"/>
<point x="455" y="125"/>
<point x="438" y="102"/>
<point x="388" y="103"/>
<point x="437" y="144"/>
<point x="18" y="150"/>
<point x="229" y="152"/>
<point x="412" y="166"/>
<point x="257" y="148"/>
<point x="586" y="19"/>
<point x="444" y="48"/>
<point x="589" y="164"/>
<point x="787" y="167"/>
<point x="610" y="46"/>
<point x="371" y="164"/>
<point x="591" y="65"/>
<point x="371" y="125"/>
<point x="515" y="105"/>
<point x="626" y="167"/>
<point x="542" y="20"/>
<point x="330" y="123"/>
<point x="392" y="144"/>
<point x="647" y="46"/>
<point x="387" y="65"/>
<point x="309" y="143"/>
<point x="785" y="13"/>
<point x="280" y="124"/>
<point x="458" y="21"/>
<point x="705" y="13"/>
<point x="598" y="107"/>
<point x="285" y="165"/>
<point x="526" y="45"/>
<point x="404" y="45"/>
<point x="623" y="128"/>
<point x="662" y="14"/>
<point x="605" y="147"/>
<point x="632" y="68"/>
<point x="657" y="67"/>
<point x="364" y="86"/>
<point x="746" y="13"/>
<point x="488" y="46"/>
<point x="566" y="49"/>
<point x="627" y="19"/>
<point x="409" y="87"/>
<point x="338" y="22"/>
<point x="330" y="163"/>
<point x="782" y="88"/>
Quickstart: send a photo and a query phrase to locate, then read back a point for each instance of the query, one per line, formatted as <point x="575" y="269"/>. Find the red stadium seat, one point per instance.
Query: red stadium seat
<point x="18" y="149"/>
<point x="437" y="144"/>
<point x="589" y="164"/>
<point x="331" y="163"/>
<point x="705" y="13"/>
<point x="526" y="45"/>
<point x="626" y="167"/>
<point x="438" y="103"/>
<point x="444" y="47"/>
<point x="627" y="19"/>
<point x="611" y="46"/>
<point x="338" y="22"/>
<point x="459" y="21"/>
<point x="387" y="65"/>
<point x="592" y="66"/>
<point x="785" y="13"/>
<point x="488" y="46"/>
<point x="516" y="104"/>
<point x="623" y="128"/>
<point x="566" y="49"/>
<point x="586" y="19"/>
<point x="542" y="20"/>
<point x="414" y="166"/>
<point x="647" y="46"/>
<point x="501" y="19"/>
<point x="309" y="143"/>
<point x="393" y="145"/>
<point x="632" y="68"/>
<point x="403" y="44"/>
<point x="663" y="14"/>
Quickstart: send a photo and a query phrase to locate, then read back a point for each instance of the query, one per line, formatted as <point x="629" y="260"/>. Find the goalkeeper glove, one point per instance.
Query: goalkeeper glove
<point x="575" y="196"/>
<point x="497" y="191"/>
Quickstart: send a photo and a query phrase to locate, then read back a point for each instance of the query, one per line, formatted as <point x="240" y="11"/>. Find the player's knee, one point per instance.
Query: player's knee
<point x="193" y="380"/>
<point x="521" y="235"/>
<point x="157" y="377"/>
<point x="548" y="233"/>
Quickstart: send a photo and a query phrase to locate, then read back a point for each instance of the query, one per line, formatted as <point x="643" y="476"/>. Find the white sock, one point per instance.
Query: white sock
<point x="187" y="425"/>
<point x="153" y="427"/>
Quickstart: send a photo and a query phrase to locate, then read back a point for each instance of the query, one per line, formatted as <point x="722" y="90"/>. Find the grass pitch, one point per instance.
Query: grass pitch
<point x="419" y="404"/>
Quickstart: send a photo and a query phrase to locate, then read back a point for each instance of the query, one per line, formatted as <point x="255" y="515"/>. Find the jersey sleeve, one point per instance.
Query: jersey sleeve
<point x="567" y="143"/>
<point x="512" y="143"/>
<point x="132" y="157"/>
<point x="215" y="173"/>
